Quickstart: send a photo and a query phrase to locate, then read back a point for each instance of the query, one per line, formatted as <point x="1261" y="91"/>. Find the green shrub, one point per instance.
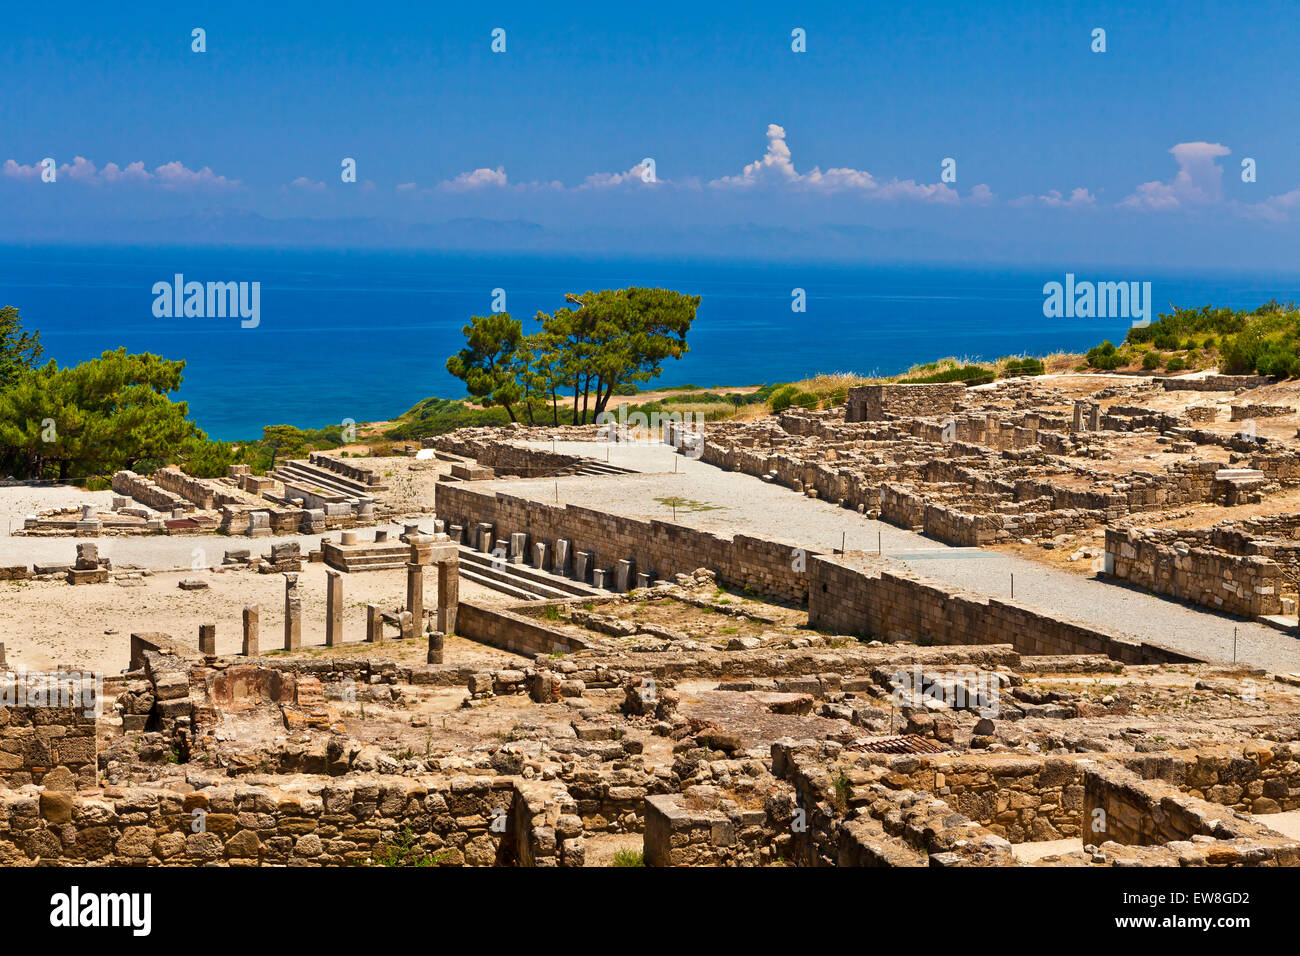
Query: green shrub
<point x="969" y="374"/>
<point x="782" y="397"/>
<point x="1175" y="364"/>
<point x="1105" y="356"/>
<point x="1025" y="366"/>
<point x="628" y="858"/>
<point x="1151" y="361"/>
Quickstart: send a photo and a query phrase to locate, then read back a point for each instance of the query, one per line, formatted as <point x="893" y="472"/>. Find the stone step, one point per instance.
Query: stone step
<point x="529" y="573"/>
<point x="469" y="574"/>
<point x="486" y="574"/>
<point x="306" y="472"/>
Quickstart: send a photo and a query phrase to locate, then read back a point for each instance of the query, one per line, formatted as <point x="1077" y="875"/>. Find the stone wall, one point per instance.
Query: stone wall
<point x="512" y="632"/>
<point x="196" y="490"/>
<point x="49" y="745"/>
<point x="463" y="821"/>
<point x="870" y="403"/>
<point x="1121" y="807"/>
<point x="502" y="457"/>
<point x="660" y="548"/>
<point x="149" y="494"/>
<point x="848" y="598"/>
<point x="1166" y="563"/>
<point x="1216" y="383"/>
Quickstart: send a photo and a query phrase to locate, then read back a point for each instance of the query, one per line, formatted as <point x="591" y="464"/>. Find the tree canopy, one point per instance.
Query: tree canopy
<point x="596" y="344"/>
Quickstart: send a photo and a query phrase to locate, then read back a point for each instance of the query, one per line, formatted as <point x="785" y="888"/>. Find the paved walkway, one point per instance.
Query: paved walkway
<point x="730" y="502"/>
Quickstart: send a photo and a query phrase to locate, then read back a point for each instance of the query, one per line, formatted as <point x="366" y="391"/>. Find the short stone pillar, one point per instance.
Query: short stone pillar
<point x="518" y="546"/>
<point x="292" y="613"/>
<point x="560" y="561"/>
<point x="1094" y="418"/>
<point x="1077" y="425"/>
<point x="208" y="639"/>
<point x="457" y="533"/>
<point x="644" y="579"/>
<point x="252" y="616"/>
<point x="333" y="608"/>
<point x="406" y="624"/>
<point x="625" y="575"/>
<point x="259" y="524"/>
<point x="381" y="535"/>
<point x="582" y="565"/>
<point x="436" y="639"/>
<point x="486" y="537"/>
<point x="374" y="624"/>
<point x="539" y="555"/>
<point x="348" y="537"/>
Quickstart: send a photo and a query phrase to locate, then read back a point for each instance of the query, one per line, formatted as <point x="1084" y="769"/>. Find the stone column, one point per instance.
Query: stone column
<point x="333" y="608"/>
<point x="252" y="615"/>
<point x="292" y="614"/>
<point x="420" y="553"/>
<point x="518" y="545"/>
<point x="1094" y="418"/>
<point x="560" y="564"/>
<point x="446" y="556"/>
<point x="208" y="639"/>
<point x="374" y="624"/>
<point x="406" y="624"/>
<point x="435" y="647"/>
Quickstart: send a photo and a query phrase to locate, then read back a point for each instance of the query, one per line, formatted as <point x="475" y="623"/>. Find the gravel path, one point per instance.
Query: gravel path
<point x="739" y="503"/>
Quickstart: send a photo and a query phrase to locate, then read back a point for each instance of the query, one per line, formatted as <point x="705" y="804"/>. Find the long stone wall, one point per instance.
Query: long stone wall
<point x="147" y="493"/>
<point x="771" y="569"/>
<point x="196" y="490"/>
<point x="465" y="821"/>
<point x="849" y="599"/>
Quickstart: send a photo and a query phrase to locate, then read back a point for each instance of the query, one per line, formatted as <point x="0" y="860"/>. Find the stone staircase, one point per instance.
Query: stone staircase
<point x="520" y="580"/>
<point x="305" y="473"/>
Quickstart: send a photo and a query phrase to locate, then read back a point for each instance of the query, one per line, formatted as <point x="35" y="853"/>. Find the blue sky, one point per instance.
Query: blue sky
<point x="1128" y="156"/>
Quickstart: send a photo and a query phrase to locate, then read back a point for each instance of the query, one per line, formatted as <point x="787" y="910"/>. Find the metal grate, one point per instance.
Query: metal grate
<point x="899" y="744"/>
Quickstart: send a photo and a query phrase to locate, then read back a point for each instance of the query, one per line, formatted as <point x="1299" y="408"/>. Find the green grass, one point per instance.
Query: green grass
<point x="628" y="858"/>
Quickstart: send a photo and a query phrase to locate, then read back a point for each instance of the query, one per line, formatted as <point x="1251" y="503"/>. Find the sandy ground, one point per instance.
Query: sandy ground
<point x="49" y="623"/>
<point x="1030" y="852"/>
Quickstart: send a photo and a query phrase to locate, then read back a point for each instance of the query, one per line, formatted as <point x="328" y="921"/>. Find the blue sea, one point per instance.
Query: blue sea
<point x="365" y="335"/>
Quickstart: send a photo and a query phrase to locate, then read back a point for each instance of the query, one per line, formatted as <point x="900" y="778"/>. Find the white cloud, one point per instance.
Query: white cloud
<point x="478" y="179"/>
<point x="776" y="170"/>
<point x="174" y="175"/>
<point x="305" y="184"/>
<point x="1079" y="198"/>
<point x="1275" y="208"/>
<point x="633" y="177"/>
<point x="1199" y="181"/>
